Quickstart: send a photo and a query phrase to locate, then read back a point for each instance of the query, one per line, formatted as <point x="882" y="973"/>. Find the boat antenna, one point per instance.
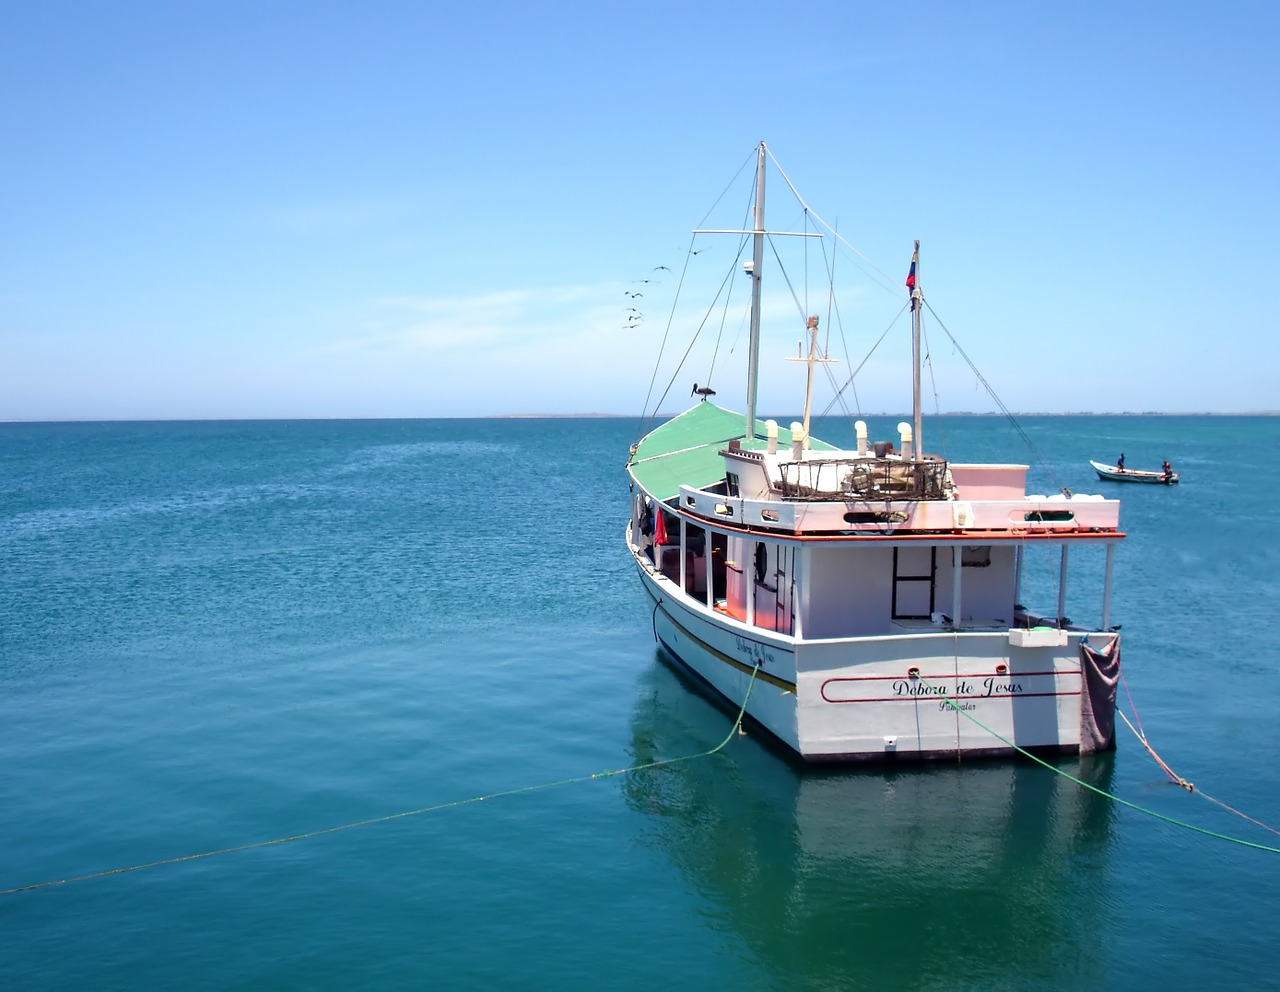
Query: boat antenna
<point x="917" y="298"/>
<point x="812" y="359"/>
<point x="757" y="262"/>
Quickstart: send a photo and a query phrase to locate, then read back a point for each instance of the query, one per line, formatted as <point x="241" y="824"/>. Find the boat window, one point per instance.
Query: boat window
<point x="875" y="517"/>
<point x="730" y="484"/>
<point x="975" y="556"/>
<point x="1045" y="516"/>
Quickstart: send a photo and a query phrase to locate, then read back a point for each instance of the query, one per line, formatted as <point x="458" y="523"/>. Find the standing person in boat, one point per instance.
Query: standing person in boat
<point x="1120" y="463"/>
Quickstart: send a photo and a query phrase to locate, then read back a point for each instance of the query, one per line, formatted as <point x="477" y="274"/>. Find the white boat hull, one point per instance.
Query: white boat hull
<point x="879" y="698"/>
<point x="872" y="598"/>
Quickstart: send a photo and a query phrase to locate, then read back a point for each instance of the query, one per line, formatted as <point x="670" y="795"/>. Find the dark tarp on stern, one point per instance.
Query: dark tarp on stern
<point x="1100" y="671"/>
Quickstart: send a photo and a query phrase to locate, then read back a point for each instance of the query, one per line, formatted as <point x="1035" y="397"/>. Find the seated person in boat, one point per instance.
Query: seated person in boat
<point x="1167" y="470"/>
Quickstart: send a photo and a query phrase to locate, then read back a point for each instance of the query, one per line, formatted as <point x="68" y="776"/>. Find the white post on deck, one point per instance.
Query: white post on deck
<point x="749" y="580"/>
<point x="1062" y="588"/>
<point x="1106" y="588"/>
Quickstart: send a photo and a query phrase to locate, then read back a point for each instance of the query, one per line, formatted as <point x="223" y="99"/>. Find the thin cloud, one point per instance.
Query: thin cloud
<point x="467" y="323"/>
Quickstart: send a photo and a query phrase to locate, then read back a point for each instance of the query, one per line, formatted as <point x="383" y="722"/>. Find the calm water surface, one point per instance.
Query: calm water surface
<point x="217" y="634"/>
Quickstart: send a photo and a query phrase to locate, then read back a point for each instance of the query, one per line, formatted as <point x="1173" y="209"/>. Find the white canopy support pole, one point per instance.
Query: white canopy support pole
<point x="798" y="577"/>
<point x="708" y="571"/>
<point x="749" y="580"/>
<point x="957" y="554"/>
<point x="1018" y="553"/>
<point x="1062" y="588"/>
<point x="684" y="527"/>
<point x="1106" y="587"/>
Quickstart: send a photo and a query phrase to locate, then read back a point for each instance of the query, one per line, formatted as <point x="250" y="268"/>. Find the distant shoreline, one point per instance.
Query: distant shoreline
<point x="631" y="416"/>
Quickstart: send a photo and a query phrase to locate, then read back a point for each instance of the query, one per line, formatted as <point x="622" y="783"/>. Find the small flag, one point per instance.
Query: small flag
<point x="911" y="275"/>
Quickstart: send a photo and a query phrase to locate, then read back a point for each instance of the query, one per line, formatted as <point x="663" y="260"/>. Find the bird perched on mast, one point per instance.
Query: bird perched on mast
<point x="703" y="391"/>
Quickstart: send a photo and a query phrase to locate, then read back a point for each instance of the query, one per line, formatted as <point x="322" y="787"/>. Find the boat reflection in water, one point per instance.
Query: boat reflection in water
<point x="985" y="875"/>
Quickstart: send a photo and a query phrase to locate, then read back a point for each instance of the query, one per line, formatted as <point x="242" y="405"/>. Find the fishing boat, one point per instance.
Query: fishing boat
<point x="1113" y="473"/>
<point x="867" y="602"/>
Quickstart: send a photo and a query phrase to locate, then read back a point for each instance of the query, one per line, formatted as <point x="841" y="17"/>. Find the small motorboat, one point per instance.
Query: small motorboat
<point x="1116" y="474"/>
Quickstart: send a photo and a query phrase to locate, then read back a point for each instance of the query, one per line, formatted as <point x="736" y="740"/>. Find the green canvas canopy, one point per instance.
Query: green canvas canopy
<point x="685" y="451"/>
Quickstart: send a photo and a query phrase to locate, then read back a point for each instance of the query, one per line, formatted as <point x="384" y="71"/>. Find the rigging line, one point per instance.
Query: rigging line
<point x="648" y="417"/>
<point x="787" y="279"/>
<point x="694" y="340"/>
<point x="831" y="381"/>
<point x="854" y="373"/>
<point x="729" y="185"/>
<point x="933" y="382"/>
<point x="728" y="298"/>
<point x="806" y="264"/>
<point x="724" y="316"/>
<point x="737" y="260"/>
<point x="796" y="193"/>
<point x="833" y="310"/>
<point x="829" y="267"/>
<point x="715" y="351"/>
<point x="1189" y="786"/>
<point x="1013" y="422"/>
<point x="666" y="334"/>
<point x="372" y="821"/>
<point x="1101" y="792"/>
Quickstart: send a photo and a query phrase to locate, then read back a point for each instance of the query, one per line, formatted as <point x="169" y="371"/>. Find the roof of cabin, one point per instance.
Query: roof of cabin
<point x="685" y="451"/>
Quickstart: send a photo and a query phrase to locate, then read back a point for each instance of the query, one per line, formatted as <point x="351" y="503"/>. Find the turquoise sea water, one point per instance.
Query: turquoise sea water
<point x="218" y="634"/>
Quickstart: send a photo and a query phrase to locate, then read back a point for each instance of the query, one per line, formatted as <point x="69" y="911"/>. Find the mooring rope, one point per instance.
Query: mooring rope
<point x="1179" y="780"/>
<point x="1140" y="732"/>
<point x="737" y="724"/>
<point x="1109" y="795"/>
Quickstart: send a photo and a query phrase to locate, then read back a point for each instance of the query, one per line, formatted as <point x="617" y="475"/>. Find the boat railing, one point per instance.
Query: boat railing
<point x="864" y="479"/>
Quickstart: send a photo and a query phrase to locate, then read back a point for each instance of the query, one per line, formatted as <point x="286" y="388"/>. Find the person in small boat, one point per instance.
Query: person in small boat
<point x="1167" y="470"/>
<point x="1120" y="463"/>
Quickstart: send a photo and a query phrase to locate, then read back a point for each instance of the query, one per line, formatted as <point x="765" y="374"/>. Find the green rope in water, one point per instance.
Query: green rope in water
<point x="737" y="723"/>
<point x="1103" y="792"/>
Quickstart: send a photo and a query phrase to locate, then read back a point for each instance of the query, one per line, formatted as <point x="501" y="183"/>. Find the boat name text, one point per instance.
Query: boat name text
<point x="991" y="686"/>
<point x="753" y="651"/>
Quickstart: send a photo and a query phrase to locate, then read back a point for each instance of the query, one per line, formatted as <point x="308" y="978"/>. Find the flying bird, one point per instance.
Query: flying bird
<point x="632" y="295"/>
<point x="703" y="391"/>
<point x="661" y="267"/>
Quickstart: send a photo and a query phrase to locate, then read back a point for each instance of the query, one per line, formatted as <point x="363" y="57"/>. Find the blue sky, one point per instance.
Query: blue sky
<point x="395" y="209"/>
